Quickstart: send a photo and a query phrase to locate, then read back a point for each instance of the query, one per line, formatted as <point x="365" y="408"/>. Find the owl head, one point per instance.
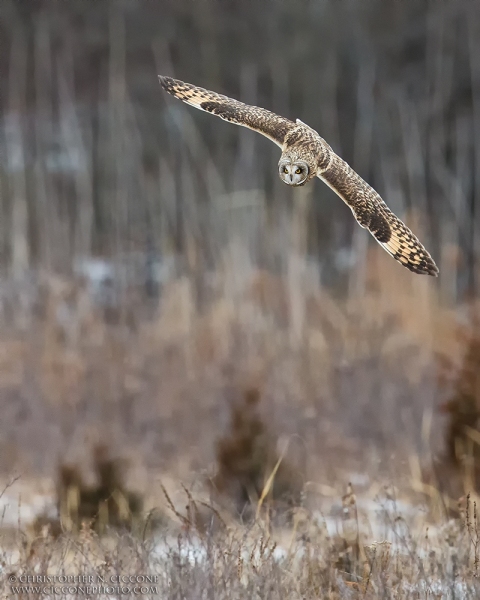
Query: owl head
<point x="293" y="172"/>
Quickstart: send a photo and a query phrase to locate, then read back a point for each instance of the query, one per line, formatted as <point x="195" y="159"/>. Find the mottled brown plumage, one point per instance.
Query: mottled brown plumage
<point x="253" y="117"/>
<point x="306" y="155"/>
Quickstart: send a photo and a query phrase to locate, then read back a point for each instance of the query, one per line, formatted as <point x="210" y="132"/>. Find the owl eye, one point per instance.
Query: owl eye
<point x="298" y="170"/>
<point x="285" y="170"/>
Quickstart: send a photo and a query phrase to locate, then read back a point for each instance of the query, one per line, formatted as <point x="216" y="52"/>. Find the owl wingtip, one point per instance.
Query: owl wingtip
<point x="433" y="270"/>
<point x="429" y="269"/>
<point x="426" y="266"/>
<point x="167" y="82"/>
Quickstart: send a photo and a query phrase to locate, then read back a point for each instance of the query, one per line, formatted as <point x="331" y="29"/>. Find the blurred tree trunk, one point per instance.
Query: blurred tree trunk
<point x="19" y="243"/>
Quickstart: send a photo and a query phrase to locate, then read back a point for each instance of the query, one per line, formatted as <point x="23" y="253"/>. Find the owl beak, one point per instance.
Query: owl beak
<point x="291" y="177"/>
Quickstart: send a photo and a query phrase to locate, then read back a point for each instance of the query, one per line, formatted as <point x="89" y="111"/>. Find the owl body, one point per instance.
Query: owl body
<point x="305" y="155"/>
<point x="303" y="147"/>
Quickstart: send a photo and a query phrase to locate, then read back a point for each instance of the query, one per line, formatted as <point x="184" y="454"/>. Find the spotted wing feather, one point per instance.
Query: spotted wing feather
<point x="372" y="213"/>
<point x="263" y="121"/>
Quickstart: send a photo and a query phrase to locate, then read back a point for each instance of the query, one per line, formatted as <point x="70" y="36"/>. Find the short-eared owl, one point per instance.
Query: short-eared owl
<point x="306" y="155"/>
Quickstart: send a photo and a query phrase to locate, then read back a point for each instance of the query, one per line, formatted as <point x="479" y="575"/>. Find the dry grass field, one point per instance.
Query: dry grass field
<point x="276" y="441"/>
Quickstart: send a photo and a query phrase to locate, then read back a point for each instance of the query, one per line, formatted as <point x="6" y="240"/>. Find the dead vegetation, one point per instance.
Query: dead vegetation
<point x="256" y="561"/>
<point x="332" y="376"/>
<point x="104" y="505"/>
<point x="455" y="470"/>
<point x="158" y="380"/>
<point x="250" y="470"/>
<point x="463" y="407"/>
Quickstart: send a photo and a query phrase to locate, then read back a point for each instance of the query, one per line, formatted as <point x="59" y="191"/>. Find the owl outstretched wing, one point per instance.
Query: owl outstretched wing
<point x="258" y="119"/>
<point x="373" y="214"/>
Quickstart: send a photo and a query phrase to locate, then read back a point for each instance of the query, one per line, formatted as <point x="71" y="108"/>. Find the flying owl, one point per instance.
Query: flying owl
<point x="306" y="155"/>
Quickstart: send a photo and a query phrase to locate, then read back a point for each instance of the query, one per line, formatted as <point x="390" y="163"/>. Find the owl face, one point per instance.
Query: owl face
<point x="293" y="172"/>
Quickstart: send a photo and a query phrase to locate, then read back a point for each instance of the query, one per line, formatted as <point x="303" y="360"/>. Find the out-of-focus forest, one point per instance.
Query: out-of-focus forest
<point x="153" y="265"/>
<point x="96" y="160"/>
